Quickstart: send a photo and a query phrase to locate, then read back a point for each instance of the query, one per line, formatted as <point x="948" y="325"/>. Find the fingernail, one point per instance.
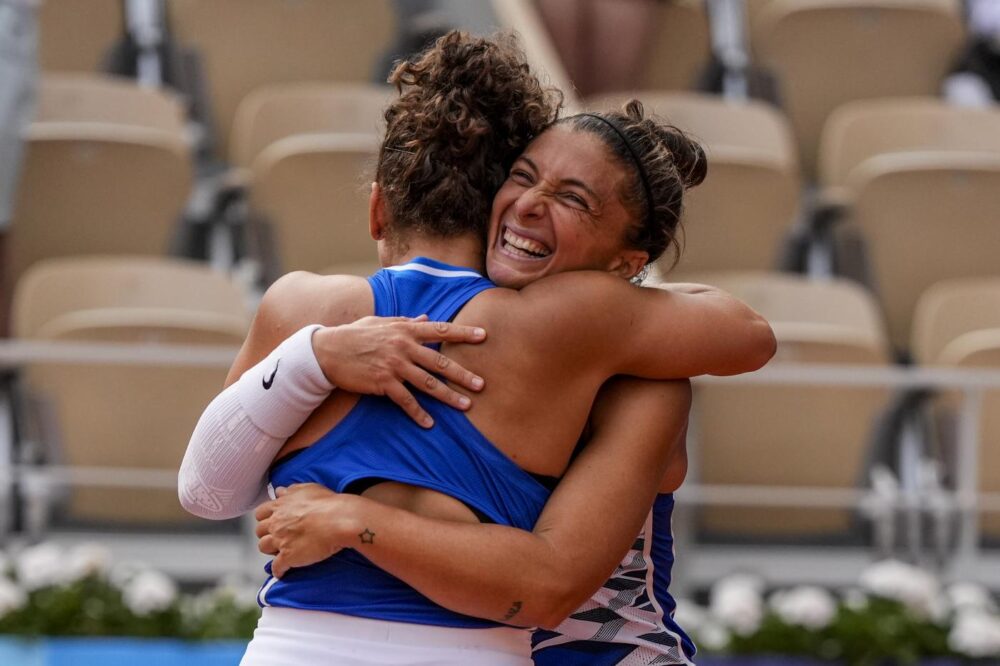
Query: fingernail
<point x="427" y="421"/>
<point x="477" y="382"/>
<point x="479" y="332"/>
<point x="464" y="401"/>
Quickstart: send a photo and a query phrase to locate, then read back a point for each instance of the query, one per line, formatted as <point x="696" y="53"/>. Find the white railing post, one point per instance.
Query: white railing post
<point x="967" y="473"/>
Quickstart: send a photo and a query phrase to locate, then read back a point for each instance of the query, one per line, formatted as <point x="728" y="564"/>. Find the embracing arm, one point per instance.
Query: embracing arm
<point x="671" y="331"/>
<point x="502" y="573"/>
<point x="224" y="470"/>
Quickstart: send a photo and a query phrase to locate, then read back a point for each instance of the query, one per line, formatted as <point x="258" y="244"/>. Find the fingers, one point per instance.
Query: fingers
<point x="262" y="528"/>
<point x="440" y="364"/>
<point x="402" y="397"/>
<point x="279" y="566"/>
<point x="264" y="511"/>
<point x="440" y="331"/>
<point x="434" y="387"/>
<point x="268" y="545"/>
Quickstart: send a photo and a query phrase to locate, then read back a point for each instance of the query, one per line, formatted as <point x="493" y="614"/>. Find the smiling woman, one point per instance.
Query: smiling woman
<point x="564" y="207"/>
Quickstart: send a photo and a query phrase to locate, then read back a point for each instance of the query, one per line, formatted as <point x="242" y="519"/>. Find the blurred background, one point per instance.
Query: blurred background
<point x="163" y="161"/>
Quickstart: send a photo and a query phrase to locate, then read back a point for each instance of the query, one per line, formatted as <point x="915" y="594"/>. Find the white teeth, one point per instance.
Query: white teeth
<point x="524" y="246"/>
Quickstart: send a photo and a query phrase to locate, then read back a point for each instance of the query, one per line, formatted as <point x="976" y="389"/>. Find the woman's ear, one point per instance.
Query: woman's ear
<point x="376" y="213"/>
<point x="629" y="263"/>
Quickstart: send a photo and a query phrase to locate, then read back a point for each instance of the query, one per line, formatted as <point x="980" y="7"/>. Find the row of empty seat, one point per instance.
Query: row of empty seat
<point x="109" y="415"/>
<point x="824" y="436"/>
<point x="821" y="53"/>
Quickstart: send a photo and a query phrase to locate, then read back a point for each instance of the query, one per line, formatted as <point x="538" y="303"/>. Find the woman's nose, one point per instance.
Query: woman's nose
<point x="531" y="203"/>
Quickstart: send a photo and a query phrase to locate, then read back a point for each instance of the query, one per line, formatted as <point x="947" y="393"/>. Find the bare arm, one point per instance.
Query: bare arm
<point x="497" y="572"/>
<point x="668" y="332"/>
<point x="223" y="473"/>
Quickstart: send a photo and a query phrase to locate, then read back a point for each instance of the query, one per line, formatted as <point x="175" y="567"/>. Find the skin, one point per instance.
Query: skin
<point x="550" y="349"/>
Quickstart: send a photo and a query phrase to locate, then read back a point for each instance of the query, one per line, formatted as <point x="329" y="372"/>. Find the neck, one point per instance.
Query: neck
<point x="466" y="251"/>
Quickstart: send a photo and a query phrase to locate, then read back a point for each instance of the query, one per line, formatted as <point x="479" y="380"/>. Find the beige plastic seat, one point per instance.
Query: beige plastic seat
<point x="97" y="188"/>
<point x="957" y="324"/>
<point x="99" y="98"/>
<point x="247" y="44"/>
<point x="314" y="191"/>
<point x="133" y="416"/>
<point x="792" y="436"/>
<point x="828" y="52"/>
<point x="925" y="217"/>
<point x="738" y="217"/>
<point x="276" y="112"/>
<point x="862" y="129"/>
<point x="76" y="35"/>
<point x="680" y="48"/>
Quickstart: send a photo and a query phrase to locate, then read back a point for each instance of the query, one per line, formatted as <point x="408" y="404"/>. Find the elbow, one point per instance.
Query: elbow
<point x="555" y="601"/>
<point x="199" y="503"/>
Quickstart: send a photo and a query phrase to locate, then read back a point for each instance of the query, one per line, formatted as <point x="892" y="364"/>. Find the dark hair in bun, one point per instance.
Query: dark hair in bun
<point x="468" y="107"/>
<point x="661" y="162"/>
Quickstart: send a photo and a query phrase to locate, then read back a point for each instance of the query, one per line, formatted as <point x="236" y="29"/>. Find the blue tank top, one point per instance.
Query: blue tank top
<point x="630" y="620"/>
<point x="377" y="440"/>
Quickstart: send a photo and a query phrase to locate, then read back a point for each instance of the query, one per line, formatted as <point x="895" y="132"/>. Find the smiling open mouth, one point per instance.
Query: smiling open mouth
<point x="519" y="246"/>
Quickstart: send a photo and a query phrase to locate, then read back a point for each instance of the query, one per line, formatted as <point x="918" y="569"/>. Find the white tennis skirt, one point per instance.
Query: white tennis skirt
<point x="292" y="637"/>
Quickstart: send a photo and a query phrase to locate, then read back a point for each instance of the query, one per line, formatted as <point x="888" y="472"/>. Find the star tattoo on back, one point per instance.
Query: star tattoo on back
<point x="367" y="536"/>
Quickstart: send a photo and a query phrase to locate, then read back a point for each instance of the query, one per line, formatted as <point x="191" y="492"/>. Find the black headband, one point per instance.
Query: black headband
<point x="635" y="158"/>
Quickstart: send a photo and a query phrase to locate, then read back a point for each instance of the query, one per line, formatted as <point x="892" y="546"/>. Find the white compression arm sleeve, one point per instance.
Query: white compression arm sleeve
<point x="224" y="472"/>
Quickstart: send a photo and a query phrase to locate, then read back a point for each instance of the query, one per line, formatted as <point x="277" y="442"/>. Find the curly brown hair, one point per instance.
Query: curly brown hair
<point x="661" y="162"/>
<point x="468" y="107"/>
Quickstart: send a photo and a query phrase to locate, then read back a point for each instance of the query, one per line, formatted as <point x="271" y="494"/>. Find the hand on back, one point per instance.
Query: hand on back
<point x="381" y="355"/>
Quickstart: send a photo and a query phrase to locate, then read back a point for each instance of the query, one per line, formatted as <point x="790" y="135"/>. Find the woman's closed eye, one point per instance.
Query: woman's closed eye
<point x="521" y="177"/>
<point x="576" y="200"/>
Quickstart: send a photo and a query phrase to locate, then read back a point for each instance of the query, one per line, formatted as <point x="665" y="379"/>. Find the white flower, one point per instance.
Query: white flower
<point x="40" y="566"/>
<point x="689" y="615"/>
<point x="12" y="597"/>
<point x="915" y="588"/>
<point x="854" y="598"/>
<point x="148" y="592"/>
<point x="975" y="634"/>
<point x="737" y="603"/>
<point x="805" y="606"/>
<point x="87" y="559"/>
<point x="970" y="596"/>
<point x="713" y="637"/>
<point x="122" y="573"/>
<point x="6" y="564"/>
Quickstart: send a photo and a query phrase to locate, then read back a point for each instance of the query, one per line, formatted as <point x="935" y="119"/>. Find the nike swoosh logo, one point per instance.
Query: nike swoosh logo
<point x="269" y="381"/>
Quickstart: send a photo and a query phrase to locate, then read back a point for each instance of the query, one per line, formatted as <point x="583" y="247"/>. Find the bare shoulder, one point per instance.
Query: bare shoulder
<point x="298" y="299"/>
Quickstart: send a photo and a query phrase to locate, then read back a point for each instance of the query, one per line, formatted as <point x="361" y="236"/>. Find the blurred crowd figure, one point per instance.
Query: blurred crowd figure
<point x="18" y="81"/>
<point x="976" y="80"/>
<point x="602" y="43"/>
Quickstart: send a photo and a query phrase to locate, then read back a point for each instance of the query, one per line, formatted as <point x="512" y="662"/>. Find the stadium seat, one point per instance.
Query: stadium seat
<point x="957" y="324"/>
<point x="275" y="112"/>
<point x="313" y="191"/>
<point x="100" y="98"/>
<point x="794" y="435"/>
<point x="924" y="217"/>
<point x="827" y="52"/>
<point x="76" y="35"/>
<point x="247" y="44"/>
<point x="862" y="129"/>
<point x="119" y="415"/>
<point x="680" y="49"/>
<point x="737" y="218"/>
<point x="96" y="188"/>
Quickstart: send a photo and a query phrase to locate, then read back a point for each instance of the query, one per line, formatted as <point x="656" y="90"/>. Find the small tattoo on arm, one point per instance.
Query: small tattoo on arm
<point x="515" y="608"/>
<point x="367" y="536"/>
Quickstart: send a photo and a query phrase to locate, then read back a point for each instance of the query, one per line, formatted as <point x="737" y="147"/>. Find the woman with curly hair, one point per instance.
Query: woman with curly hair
<point x="599" y="192"/>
